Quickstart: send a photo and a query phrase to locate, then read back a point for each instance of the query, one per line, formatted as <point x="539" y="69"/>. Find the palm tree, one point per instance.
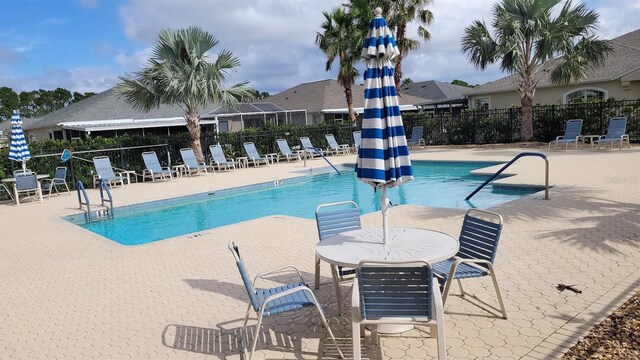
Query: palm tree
<point x="180" y="73"/>
<point x="399" y="14"/>
<point x="526" y="36"/>
<point x="341" y="38"/>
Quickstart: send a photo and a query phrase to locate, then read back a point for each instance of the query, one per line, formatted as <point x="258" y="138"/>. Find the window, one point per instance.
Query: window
<point x="584" y="95"/>
<point x="223" y="126"/>
<point x="481" y="103"/>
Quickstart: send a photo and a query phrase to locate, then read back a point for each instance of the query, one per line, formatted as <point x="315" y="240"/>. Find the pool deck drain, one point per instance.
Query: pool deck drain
<point x="70" y="294"/>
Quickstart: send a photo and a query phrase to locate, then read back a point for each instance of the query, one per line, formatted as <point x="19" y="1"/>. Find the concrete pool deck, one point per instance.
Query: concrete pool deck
<point x="67" y="293"/>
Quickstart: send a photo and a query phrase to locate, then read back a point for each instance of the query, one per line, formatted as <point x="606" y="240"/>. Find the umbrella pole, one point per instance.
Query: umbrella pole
<point x="24" y="166"/>
<point x="384" y="206"/>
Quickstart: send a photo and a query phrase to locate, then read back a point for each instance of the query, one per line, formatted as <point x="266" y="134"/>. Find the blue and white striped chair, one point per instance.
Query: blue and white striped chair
<point x="396" y="292"/>
<point x="479" y="239"/>
<point x="277" y="300"/>
<point x="332" y="219"/>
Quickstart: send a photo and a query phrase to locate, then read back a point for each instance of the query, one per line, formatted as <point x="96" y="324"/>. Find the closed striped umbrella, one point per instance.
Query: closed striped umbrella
<point x="383" y="157"/>
<point x="18" y="149"/>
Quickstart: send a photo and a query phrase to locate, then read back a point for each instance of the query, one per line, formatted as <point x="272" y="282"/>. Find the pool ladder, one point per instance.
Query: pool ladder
<point x="546" y="173"/>
<point x="319" y="152"/>
<point x="107" y="212"/>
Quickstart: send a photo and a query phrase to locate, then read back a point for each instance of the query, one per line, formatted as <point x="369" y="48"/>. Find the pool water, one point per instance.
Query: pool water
<point x="437" y="184"/>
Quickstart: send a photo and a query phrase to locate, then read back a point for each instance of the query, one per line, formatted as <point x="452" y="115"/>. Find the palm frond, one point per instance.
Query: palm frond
<point x="479" y="46"/>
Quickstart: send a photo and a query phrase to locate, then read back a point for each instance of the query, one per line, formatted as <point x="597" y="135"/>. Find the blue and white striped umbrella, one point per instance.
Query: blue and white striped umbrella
<point x="18" y="149"/>
<point x="383" y="157"/>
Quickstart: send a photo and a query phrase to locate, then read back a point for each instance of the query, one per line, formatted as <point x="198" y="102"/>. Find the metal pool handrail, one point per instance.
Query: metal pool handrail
<point x="546" y="175"/>
<point x="319" y="152"/>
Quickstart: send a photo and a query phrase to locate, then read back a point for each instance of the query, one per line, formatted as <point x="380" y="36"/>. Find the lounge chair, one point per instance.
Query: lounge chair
<point x="572" y="134"/>
<point x="416" y="137"/>
<point x="153" y="170"/>
<point x="105" y="172"/>
<point x="357" y="140"/>
<point x="253" y="155"/>
<point x="285" y="151"/>
<point x="334" y="147"/>
<point x="391" y="292"/>
<point x="59" y="179"/>
<point x="26" y="183"/>
<point x="276" y="300"/>
<point x="218" y="160"/>
<point x="478" y="246"/>
<point x="190" y="161"/>
<point x="616" y="133"/>
<point x="311" y="150"/>
<point x="332" y="219"/>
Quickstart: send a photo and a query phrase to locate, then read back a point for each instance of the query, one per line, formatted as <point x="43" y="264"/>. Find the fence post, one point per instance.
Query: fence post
<point x="475" y="128"/>
<point x="511" y="124"/>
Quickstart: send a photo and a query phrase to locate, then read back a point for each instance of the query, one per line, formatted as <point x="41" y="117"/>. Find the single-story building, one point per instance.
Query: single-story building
<point x="107" y="114"/>
<point x="439" y="96"/>
<point x="619" y="78"/>
<point x="325" y="100"/>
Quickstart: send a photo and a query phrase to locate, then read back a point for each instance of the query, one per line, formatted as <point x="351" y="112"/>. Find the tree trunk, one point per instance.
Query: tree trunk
<point x="193" y="125"/>
<point x="527" y="91"/>
<point x="397" y="75"/>
<point x="349" y="94"/>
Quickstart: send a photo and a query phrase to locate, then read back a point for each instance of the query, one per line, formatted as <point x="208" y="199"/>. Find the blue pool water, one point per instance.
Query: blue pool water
<point x="438" y="184"/>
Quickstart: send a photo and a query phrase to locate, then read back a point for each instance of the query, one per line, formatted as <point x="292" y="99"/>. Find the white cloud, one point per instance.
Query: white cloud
<point x="617" y="17"/>
<point x="82" y="79"/>
<point x="275" y="39"/>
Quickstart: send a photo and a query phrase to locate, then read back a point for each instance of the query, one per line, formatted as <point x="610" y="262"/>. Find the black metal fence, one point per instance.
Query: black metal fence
<point x="125" y="152"/>
<point x="503" y="125"/>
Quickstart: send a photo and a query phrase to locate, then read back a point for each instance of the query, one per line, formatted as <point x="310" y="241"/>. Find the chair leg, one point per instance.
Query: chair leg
<point x="336" y="283"/>
<point x="495" y="285"/>
<point x="67" y="186"/>
<point x="326" y="324"/>
<point x="317" y="274"/>
<point x="461" y="288"/>
<point x="355" y="335"/>
<point x="256" y="334"/>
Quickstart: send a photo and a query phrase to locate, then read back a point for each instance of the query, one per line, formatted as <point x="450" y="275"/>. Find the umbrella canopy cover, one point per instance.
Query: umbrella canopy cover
<point x="383" y="156"/>
<point x="18" y="149"/>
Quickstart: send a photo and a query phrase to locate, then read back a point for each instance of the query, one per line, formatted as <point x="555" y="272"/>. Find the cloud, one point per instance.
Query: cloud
<point x="10" y="56"/>
<point x="133" y="61"/>
<point x="274" y="39"/>
<point x="617" y="17"/>
<point x="82" y="79"/>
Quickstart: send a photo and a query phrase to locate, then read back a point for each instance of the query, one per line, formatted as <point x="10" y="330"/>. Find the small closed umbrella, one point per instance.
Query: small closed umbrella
<point x="18" y="149"/>
<point x="383" y="157"/>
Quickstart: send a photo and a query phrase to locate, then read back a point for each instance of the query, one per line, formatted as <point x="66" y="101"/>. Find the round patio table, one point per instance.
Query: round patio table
<point x="12" y="180"/>
<point x="349" y="248"/>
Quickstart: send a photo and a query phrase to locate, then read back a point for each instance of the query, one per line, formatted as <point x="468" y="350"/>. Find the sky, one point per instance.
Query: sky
<point x="85" y="45"/>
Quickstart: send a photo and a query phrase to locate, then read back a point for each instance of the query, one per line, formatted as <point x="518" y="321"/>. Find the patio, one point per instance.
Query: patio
<point x="70" y="294"/>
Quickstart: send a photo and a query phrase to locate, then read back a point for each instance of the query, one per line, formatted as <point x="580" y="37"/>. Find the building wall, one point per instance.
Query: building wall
<point x="39" y="134"/>
<point x="555" y="95"/>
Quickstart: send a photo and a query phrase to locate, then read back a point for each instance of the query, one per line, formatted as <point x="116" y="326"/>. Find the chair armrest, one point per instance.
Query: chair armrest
<point x="355" y="302"/>
<point x="559" y="138"/>
<point x="272" y="271"/>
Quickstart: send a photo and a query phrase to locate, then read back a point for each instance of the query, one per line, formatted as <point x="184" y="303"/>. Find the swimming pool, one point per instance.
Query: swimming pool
<point x="438" y="184"/>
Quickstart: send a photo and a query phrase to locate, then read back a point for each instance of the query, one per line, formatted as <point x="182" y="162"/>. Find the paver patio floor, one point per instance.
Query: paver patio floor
<point x="67" y="293"/>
